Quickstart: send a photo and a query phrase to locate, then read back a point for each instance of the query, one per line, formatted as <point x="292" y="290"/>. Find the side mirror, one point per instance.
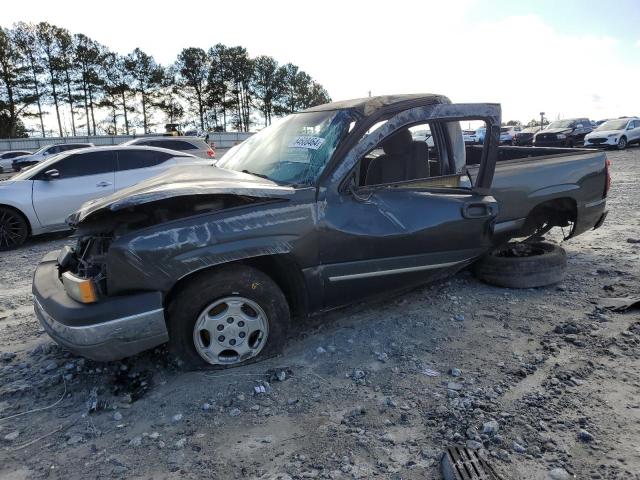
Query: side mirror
<point x="579" y="125"/>
<point x="630" y="127"/>
<point x="51" y="174"/>
<point x="45" y="153"/>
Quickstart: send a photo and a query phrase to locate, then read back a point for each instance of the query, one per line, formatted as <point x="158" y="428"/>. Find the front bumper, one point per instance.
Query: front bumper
<point x="551" y="143"/>
<point x="609" y="142"/>
<point x="111" y="329"/>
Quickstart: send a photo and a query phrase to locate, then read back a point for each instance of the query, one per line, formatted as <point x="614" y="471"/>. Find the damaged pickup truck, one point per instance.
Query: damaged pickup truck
<point x="326" y="207"/>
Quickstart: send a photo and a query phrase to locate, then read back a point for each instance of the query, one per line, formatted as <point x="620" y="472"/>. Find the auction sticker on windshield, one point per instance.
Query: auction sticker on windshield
<point x="306" y="141"/>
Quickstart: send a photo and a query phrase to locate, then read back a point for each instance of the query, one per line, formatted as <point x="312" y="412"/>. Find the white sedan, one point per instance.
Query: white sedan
<point x="39" y="200"/>
<point x="616" y="133"/>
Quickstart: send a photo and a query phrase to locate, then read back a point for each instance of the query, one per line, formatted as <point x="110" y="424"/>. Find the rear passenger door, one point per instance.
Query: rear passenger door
<point x="81" y="177"/>
<point x="137" y="165"/>
<point x="634" y="133"/>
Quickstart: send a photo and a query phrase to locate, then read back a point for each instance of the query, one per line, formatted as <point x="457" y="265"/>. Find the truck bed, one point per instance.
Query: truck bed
<point x="527" y="178"/>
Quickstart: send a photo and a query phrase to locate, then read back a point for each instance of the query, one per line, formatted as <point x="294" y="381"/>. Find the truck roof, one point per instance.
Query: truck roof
<point x="369" y="105"/>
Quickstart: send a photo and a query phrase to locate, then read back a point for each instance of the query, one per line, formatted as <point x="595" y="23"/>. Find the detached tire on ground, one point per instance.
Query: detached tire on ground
<point x="227" y="317"/>
<point x="523" y="265"/>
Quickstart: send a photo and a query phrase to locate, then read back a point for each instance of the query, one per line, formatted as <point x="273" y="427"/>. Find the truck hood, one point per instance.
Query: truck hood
<point x="184" y="181"/>
<point x="556" y="130"/>
<point x="604" y="133"/>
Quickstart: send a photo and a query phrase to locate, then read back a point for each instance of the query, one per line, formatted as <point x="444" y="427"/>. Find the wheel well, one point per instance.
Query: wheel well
<point x="280" y="268"/>
<point x="559" y="212"/>
<point x="24" y="217"/>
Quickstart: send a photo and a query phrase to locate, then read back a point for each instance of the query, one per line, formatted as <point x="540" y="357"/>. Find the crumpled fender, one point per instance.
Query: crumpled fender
<point x="157" y="257"/>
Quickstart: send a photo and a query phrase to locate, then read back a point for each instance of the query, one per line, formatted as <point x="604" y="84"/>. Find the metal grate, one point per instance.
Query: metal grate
<point x="461" y="463"/>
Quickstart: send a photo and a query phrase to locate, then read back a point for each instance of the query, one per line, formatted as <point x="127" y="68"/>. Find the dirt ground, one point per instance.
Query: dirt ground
<point x="542" y="381"/>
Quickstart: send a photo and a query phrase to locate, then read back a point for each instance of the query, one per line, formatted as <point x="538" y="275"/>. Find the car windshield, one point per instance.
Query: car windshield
<point x="27" y="173"/>
<point x="562" y="124"/>
<point x="293" y="151"/>
<point x="614" y="125"/>
<point x="41" y="150"/>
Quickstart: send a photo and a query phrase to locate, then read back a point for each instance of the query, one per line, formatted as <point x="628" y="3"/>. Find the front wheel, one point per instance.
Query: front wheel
<point x="622" y="143"/>
<point x="227" y="317"/>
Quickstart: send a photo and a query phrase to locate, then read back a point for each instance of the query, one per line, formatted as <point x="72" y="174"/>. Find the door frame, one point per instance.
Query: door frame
<point x="347" y="155"/>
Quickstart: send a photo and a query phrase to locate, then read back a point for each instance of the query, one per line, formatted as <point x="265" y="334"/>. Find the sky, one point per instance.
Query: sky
<point x="568" y="58"/>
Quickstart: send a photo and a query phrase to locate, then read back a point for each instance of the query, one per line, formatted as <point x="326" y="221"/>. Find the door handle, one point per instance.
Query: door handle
<point x="104" y="184"/>
<point x="477" y="210"/>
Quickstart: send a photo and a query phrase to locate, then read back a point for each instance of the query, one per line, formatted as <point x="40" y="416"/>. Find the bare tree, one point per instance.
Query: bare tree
<point x="24" y="37"/>
<point x="47" y="44"/>
<point x="192" y="66"/>
<point x="14" y="95"/>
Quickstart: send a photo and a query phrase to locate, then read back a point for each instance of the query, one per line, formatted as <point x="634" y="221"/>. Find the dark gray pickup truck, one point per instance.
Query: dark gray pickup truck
<point x="328" y="206"/>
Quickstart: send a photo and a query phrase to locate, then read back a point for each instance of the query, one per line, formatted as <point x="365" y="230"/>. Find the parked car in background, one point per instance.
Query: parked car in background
<point x="480" y="133"/>
<point x="507" y="133"/>
<point x="27" y="160"/>
<point x="417" y="135"/>
<point x="563" y="133"/>
<point x="6" y="159"/>
<point x="616" y="133"/>
<point x="38" y="200"/>
<point x="469" y="136"/>
<point x="525" y="136"/>
<point x="193" y="145"/>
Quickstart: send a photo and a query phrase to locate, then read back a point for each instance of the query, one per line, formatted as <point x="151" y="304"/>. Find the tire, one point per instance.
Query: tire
<point x="237" y="300"/>
<point x="523" y="265"/>
<point x="14" y="229"/>
<point x="622" y="143"/>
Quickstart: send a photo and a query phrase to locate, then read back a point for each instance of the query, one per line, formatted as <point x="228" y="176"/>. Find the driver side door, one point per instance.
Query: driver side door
<point x="391" y="235"/>
<point x="81" y="177"/>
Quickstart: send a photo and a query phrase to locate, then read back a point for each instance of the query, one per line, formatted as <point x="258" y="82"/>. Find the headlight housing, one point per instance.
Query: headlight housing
<point x="612" y="135"/>
<point x="80" y="289"/>
<point x="562" y="136"/>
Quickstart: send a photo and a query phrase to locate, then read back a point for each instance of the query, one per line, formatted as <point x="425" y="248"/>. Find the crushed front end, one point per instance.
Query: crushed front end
<point x="74" y="307"/>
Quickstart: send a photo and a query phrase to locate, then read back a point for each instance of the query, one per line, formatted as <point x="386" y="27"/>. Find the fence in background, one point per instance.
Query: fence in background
<point x="223" y="140"/>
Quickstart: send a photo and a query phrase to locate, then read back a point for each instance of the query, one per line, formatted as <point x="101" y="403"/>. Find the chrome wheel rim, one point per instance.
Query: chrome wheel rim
<point x="230" y="330"/>
<point x="622" y="143"/>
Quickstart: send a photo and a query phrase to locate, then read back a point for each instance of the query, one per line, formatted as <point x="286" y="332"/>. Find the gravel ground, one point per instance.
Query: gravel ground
<point x="540" y="380"/>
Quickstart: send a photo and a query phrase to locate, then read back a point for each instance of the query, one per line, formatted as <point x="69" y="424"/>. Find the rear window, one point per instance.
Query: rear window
<point x="179" y="145"/>
<point x="74" y="146"/>
<point x="132" y="159"/>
